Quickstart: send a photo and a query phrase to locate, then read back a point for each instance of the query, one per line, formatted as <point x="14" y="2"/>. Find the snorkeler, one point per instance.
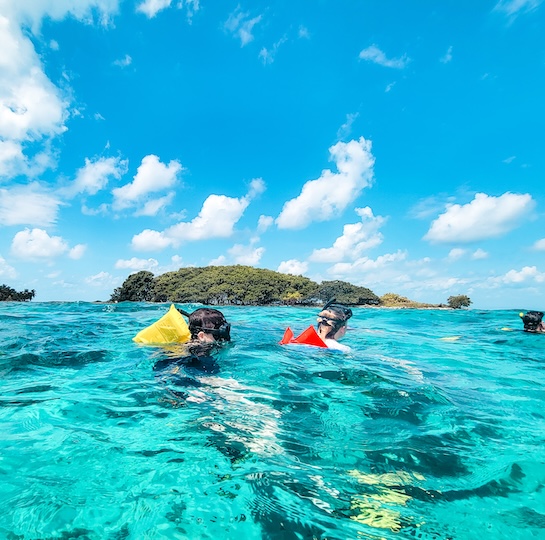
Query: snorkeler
<point x="208" y="330"/>
<point x="532" y="321"/>
<point x="332" y="321"/>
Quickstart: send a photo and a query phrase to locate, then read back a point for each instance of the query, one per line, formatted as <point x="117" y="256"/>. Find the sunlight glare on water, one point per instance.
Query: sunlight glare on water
<point x="432" y="428"/>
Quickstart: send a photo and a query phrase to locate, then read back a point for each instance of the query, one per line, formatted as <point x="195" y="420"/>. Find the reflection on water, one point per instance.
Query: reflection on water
<point x="431" y="428"/>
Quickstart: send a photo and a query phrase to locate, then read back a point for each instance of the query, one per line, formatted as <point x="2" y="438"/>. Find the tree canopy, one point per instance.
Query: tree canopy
<point x="237" y="285"/>
<point x="7" y="294"/>
<point x="459" y="301"/>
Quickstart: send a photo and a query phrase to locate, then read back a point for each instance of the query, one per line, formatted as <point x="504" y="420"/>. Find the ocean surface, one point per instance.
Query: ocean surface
<point x="433" y="427"/>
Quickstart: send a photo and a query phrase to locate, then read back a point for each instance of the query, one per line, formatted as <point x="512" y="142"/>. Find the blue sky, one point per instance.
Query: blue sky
<point x="395" y="145"/>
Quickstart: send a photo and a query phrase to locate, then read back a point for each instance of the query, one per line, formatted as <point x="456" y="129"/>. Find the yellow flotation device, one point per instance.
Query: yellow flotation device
<point x="170" y="328"/>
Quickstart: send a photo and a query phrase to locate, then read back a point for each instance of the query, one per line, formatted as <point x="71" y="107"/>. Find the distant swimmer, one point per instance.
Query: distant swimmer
<point x="533" y="322"/>
<point x="332" y="321"/>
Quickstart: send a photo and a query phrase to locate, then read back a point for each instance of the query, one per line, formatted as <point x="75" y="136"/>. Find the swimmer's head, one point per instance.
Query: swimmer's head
<point x="211" y="322"/>
<point x="333" y="317"/>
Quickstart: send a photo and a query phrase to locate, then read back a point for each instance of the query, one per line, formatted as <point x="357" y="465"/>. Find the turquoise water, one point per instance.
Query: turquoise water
<point x="432" y="428"/>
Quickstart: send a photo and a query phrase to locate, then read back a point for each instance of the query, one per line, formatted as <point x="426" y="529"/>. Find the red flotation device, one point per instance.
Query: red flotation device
<point x="308" y="337"/>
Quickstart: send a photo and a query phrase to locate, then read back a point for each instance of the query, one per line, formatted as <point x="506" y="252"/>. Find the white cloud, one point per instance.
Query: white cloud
<point x="152" y="176"/>
<point x="37" y="244"/>
<point x="137" y="264"/>
<point x="328" y="196"/>
<point x="365" y="264"/>
<point x="152" y="207"/>
<point x="31" y="107"/>
<point x="455" y="254"/>
<point x="303" y="32"/>
<point x="150" y="8"/>
<point x="28" y="205"/>
<point x="264" y="223"/>
<point x="247" y="255"/>
<point x="346" y="129"/>
<point x="95" y="175"/>
<point x="217" y="219"/>
<point x="356" y="238"/>
<point x="267" y="55"/>
<point x="539" y="245"/>
<point x="241" y="25"/>
<point x="513" y="7"/>
<point x="123" y="62"/>
<point x="484" y="217"/>
<point x="375" y="55"/>
<point x="528" y="274"/>
<point x="429" y="206"/>
<point x="293" y="267"/>
<point x="77" y="251"/>
<point x="448" y="56"/>
<point x="509" y="160"/>
<point x="479" y="254"/>
<point x="149" y="240"/>
<point x="102" y="280"/>
<point x="6" y="271"/>
<point x="220" y="261"/>
<point x="33" y="110"/>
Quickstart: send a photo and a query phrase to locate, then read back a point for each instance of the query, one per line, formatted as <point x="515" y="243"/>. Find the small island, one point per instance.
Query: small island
<point x="248" y="286"/>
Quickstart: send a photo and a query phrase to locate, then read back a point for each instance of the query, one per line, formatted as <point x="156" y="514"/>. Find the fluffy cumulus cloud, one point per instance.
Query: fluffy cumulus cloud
<point x="479" y="254"/>
<point x="293" y="267"/>
<point x="95" y="175"/>
<point x="150" y="8"/>
<point x="37" y="244"/>
<point x="136" y="264"/>
<point x="217" y="218"/>
<point x="151" y="177"/>
<point x="365" y="264"/>
<point x="77" y="251"/>
<point x="375" y="55"/>
<point x="329" y="195"/>
<point x="540" y="245"/>
<point x="527" y="275"/>
<point x="455" y="254"/>
<point x="264" y="223"/>
<point x="32" y="109"/>
<point x="484" y="217"/>
<point x="248" y="255"/>
<point x="101" y="280"/>
<point x="28" y="205"/>
<point x="6" y="271"/>
<point x="241" y="25"/>
<point x="356" y="238"/>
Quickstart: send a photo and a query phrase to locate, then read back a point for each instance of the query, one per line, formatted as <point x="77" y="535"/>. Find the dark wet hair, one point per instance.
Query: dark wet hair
<point x="334" y="315"/>
<point x="211" y="321"/>
<point x="531" y="320"/>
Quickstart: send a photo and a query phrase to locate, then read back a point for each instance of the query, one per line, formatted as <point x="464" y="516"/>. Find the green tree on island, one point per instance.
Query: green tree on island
<point x="459" y="301"/>
<point x="7" y="294"/>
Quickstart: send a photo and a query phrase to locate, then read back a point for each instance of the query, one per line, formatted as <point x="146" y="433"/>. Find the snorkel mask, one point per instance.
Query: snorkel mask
<point x="223" y="333"/>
